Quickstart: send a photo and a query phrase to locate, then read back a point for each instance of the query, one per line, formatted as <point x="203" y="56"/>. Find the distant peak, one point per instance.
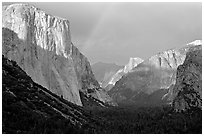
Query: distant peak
<point x="134" y="60"/>
<point x="196" y="42"/>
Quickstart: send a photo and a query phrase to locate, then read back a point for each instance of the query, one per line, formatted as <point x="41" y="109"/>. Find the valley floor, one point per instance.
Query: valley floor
<point x="146" y="120"/>
<point x="30" y="108"/>
<point x="157" y="120"/>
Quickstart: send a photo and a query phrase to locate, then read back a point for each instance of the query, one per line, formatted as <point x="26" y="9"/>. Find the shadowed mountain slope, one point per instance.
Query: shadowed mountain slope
<point x="156" y="73"/>
<point x="187" y="92"/>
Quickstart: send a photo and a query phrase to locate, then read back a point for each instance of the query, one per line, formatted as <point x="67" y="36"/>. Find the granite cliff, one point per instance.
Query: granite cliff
<point x="27" y="107"/>
<point x="41" y="45"/>
<point x="187" y="92"/>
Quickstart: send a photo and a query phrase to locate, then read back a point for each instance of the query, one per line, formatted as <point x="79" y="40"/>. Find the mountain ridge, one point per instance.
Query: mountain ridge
<point x="157" y="72"/>
<point x="133" y="62"/>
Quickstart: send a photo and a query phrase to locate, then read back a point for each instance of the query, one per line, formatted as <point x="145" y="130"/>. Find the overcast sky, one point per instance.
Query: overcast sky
<point x="114" y="32"/>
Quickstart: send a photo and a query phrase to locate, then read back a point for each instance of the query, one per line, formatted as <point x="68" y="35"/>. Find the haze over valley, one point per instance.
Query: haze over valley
<point x="102" y="68"/>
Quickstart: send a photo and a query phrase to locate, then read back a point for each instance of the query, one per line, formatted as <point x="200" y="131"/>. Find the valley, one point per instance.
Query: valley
<point x="50" y="87"/>
<point x="30" y="108"/>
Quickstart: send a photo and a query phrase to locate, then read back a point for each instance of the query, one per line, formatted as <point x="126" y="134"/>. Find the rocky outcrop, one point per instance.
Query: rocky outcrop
<point x="133" y="62"/>
<point x="156" y="73"/>
<point x="41" y="45"/>
<point x="187" y="92"/>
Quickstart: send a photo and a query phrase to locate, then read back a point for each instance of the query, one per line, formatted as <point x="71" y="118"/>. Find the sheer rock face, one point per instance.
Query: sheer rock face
<point x="41" y="46"/>
<point x="187" y="92"/>
<point x="156" y="73"/>
<point x="133" y="62"/>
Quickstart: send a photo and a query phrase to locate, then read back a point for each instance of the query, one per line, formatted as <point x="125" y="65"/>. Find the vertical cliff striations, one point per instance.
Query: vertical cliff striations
<point x="41" y="45"/>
